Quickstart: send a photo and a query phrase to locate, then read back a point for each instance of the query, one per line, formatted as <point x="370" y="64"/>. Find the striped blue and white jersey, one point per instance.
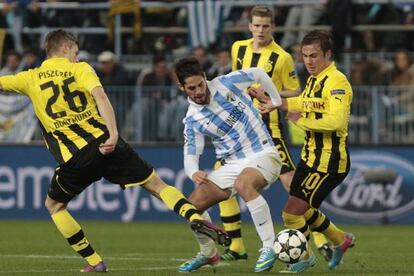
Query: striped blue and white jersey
<point x="230" y="119"/>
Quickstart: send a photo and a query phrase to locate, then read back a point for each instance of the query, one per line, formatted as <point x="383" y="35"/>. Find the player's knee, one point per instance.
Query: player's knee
<point x="155" y="185"/>
<point x="241" y="186"/>
<point x="54" y="206"/>
<point x="296" y="206"/>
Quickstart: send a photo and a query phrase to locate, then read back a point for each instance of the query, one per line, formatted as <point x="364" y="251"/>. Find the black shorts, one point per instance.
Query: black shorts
<point x="123" y="166"/>
<point x="313" y="186"/>
<point x="287" y="162"/>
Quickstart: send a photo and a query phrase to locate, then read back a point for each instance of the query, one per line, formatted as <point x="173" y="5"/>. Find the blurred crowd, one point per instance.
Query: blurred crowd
<point x="339" y="14"/>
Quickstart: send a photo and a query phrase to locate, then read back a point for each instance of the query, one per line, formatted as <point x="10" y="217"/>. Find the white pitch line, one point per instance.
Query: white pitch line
<point x="109" y="270"/>
<point x="32" y="256"/>
<point x="78" y="270"/>
<point x="37" y="271"/>
<point x="12" y="256"/>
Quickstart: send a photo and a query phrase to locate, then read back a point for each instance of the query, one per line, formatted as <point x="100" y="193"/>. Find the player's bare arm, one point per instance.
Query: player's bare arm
<point x="107" y="112"/>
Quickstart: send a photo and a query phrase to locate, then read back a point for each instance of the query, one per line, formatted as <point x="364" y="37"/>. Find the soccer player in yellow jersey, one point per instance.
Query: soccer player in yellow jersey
<point x="79" y="129"/>
<point x="323" y="111"/>
<point x="262" y="51"/>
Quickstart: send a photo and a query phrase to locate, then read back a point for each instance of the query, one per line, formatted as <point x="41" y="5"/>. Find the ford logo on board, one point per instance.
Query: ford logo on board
<point x="379" y="186"/>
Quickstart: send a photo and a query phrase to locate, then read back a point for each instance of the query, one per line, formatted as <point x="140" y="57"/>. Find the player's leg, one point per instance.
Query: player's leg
<point x="231" y="218"/>
<point x="286" y="175"/>
<point x="294" y="219"/>
<point x="124" y="166"/>
<point x="203" y="197"/>
<point x="178" y="203"/>
<point x="288" y="166"/>
<point x="56" y="202"/>
<point x="320" y="240"/>
<point x="258" y="173"/>
<point x="294" y="210"/>
<point x="208" y="254"/>
<point x="309" y="188"/>
<point x="319" y="222"/>
<point x="172" y="198"/>
<point x="323" y="245"/>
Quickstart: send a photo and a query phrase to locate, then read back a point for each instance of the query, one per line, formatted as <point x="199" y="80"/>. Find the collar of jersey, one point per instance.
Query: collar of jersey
<point x="326" y="70"/>
<point x="54" y="60"/>
<point x="272" y="43"/>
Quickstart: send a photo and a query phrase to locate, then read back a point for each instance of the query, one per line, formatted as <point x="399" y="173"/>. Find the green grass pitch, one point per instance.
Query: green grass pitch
<point x="144" y="248"/>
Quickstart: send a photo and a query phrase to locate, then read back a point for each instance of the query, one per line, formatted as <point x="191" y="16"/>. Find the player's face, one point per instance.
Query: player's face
<point x="196" y="89"/>
<point x="262" y="29"/>
<point x="314" y="59"/>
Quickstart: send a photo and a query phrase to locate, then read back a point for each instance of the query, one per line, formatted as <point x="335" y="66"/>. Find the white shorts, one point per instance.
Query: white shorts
<point x="267" y="162"/>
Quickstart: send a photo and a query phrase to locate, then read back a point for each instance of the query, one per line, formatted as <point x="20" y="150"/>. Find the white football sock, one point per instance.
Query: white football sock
<point x="207" y="245"/>
<point x="260" y="212"/>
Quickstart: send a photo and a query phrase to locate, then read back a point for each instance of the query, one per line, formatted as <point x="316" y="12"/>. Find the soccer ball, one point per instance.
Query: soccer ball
<point x="290" y="246"/>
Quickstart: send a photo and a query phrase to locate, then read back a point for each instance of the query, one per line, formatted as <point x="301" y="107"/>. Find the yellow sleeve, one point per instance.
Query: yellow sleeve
<point x="338" y="97"/>
<point x="16" y="83"/>
<point x="87" y="77"/>
<point x="288" y="74"/>
<point x="234" y="57"/>
<point x="295" y="104"/>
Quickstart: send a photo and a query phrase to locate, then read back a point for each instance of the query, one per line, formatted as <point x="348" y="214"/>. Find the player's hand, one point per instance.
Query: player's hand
<point x="258" y="93"/>
<point x="109" y="145"/>
<point x="293" y="116"/>
<point x="199" y="177"/>
<point x="267" y="106"/>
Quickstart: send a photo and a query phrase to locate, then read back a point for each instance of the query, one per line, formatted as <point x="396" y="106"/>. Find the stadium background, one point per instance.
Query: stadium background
<point x="142" y="38"/>
<point x="132" y="45"/>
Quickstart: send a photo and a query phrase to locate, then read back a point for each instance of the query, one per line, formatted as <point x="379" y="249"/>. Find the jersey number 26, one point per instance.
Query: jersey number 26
<point x="68" y="96"/>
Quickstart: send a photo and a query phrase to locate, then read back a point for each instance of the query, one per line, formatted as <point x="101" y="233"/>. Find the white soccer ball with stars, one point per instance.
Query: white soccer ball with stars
<point x="290" y="246"/>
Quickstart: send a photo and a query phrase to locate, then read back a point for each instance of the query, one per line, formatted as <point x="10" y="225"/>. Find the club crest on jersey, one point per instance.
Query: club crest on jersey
<point x="268" y="66"/>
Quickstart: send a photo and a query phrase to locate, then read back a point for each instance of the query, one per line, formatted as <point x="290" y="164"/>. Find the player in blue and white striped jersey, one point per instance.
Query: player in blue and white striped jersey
<point x="222" y="111"/>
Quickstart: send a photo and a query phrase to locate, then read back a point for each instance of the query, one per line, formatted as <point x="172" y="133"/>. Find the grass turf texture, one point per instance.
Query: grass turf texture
<point x="36" y="248"/>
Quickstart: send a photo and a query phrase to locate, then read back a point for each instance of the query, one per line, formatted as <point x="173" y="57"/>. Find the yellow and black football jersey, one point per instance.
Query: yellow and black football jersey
<point x="61" y="95"/>
<point x="325" y="104"/>
<point x="277" y="63"/>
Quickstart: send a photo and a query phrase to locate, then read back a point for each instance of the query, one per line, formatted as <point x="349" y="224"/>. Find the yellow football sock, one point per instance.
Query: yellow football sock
<point x="72" y="231"/>
<point x="298" y="223"/>
<point x="230" y="216"/>
<point x="177" y="202"/>
<point x="320" y="223"/>
<point x="319" y="239"/>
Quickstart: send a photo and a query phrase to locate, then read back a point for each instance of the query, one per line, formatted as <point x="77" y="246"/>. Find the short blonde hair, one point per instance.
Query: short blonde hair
<point x="56" y="38"/>
<point x="262" y="11"/>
